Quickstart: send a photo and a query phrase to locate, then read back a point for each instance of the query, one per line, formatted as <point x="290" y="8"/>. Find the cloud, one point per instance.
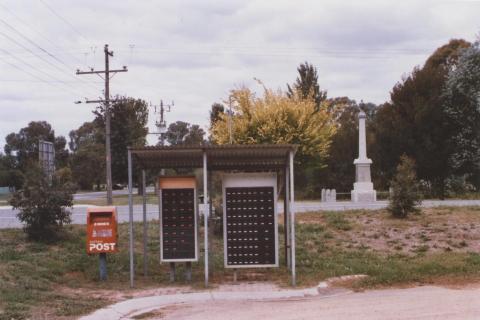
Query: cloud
<point x="194" y="52"/>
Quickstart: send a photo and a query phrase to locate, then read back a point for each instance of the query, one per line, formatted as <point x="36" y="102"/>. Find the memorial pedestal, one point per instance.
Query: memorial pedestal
<point x="363" y="187"/>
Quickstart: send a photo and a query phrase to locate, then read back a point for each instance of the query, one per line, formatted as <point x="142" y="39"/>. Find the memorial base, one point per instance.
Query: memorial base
<point x="364" y="196"/>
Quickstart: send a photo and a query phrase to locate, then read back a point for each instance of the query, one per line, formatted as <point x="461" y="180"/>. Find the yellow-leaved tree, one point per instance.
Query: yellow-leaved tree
<point x="276" y="118"/>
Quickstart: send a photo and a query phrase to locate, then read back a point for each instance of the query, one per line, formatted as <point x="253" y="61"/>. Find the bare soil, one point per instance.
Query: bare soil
<point x="432" y="230"/>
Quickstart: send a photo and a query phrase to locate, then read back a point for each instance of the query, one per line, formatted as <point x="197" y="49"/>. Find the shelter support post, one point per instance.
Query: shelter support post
<point x="286" y="217"/>
<point x="130" y="215"/>
<point x="159" y="195"/>
<point x="172" y="271"/>
<point x="205" y="214"/>
<point x="188" y="271"/>
<point x="145" y="227"/>
<point x="292" y="220"/>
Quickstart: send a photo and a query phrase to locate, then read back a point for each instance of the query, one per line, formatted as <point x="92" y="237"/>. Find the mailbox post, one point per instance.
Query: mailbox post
<point x="102" y="236"/>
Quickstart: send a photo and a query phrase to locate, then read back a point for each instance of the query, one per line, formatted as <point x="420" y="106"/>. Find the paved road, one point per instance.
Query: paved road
<point x="103" y="194"/>
<point x="400" y="304"/>
<point x="253" y="302"/>
<point x="8" y="217"/>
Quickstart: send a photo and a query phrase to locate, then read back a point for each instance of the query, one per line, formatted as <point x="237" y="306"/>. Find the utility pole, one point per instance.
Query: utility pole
<point x="106" y="77"/>
<point x="162" y="124"/>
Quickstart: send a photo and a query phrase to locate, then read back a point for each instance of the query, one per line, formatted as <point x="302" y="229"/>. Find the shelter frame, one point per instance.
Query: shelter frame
<point x="248" y="158"/>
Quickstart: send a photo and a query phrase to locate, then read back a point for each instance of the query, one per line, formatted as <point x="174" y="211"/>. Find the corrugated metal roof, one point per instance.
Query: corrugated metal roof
<point x="219" y="157"/>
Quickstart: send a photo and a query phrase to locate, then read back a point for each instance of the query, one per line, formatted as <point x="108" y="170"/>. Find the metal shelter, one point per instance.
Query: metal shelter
<point x="249" y="158"/>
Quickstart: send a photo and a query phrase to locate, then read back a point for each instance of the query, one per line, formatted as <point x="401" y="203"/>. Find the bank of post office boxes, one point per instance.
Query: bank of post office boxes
<point x="102" y="230"/>
<point x="178" y="219"/>
<point x="250" y="226"/>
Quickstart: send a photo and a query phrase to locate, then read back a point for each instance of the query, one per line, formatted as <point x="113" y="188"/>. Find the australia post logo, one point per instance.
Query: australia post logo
<point x="102" y="247"/>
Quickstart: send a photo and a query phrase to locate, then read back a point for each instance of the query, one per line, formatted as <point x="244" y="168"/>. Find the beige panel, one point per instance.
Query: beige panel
<point x="177" y="182"/>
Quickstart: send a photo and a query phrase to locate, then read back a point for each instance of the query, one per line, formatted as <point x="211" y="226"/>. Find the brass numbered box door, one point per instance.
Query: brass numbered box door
<point x="250" y="221"/>
<point x="178" y="222"/>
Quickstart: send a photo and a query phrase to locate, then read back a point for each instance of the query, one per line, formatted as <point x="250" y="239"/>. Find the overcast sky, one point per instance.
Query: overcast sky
<point x="193" y="52"/>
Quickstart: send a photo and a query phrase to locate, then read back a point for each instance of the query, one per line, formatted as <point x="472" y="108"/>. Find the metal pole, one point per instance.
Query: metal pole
<point x="102" y="259"/>
<point x="145" y="226"/>
<point x="205" y="214"/>
<point x="188" y="271"/>
<point x="230" y="118"/>
<point x="130" y="211"/>
<point x="292" y="220"/>
<point x="107" y="127"/>
<point x="172" y="271"/>
<point x="286" y="218"/>
<point x="160" y="214"/>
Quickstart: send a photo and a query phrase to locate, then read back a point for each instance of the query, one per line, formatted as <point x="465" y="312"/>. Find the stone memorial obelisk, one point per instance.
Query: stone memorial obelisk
<point x="363" y="187"/>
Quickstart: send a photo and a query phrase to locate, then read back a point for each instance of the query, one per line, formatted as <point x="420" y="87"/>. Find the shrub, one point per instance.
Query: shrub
<point x="43" y="204"/>
<point x="405" y="196"/>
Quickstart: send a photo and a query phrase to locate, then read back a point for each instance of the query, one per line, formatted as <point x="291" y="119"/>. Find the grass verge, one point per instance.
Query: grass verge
<point x="60" y="281"/>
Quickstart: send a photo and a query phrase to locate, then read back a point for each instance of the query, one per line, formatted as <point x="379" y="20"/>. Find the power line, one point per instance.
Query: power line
<point x="36" y="77"/>
<point x="63" y="19"/>
<point x="37" y="32"/>
<point x="39" y="47"/>
<point x="37" y="69"/>
<point x="50" y="81"/>
<point x="374" y="54"/>
<point x="35" y="54"/>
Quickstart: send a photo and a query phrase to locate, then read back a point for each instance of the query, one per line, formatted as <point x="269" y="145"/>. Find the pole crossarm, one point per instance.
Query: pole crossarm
<point x="102" y="72"/>
<point x="103" y="101"/>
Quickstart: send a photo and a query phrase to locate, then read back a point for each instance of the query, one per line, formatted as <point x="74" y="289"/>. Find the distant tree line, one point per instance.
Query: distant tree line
<point x="432" y="117"/>
<point x="83" y="159"/>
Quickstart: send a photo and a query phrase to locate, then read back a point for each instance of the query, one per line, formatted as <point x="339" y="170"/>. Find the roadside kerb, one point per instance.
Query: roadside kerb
<point x="129" y="308"/>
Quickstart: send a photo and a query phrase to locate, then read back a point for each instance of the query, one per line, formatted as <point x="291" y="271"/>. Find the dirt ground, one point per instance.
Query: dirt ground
<point x="432" y="230"/>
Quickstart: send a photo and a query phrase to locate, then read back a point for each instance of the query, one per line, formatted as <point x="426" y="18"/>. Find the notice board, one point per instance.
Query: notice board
<point x="250" y="228"/>
<point x="178" y="219"/>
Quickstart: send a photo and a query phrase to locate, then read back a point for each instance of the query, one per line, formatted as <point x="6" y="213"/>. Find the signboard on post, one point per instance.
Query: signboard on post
<point x="46" y="157"/>
<point x="250" y="226"/>
<point x="102" y="230"/>
<point x="178" y="219"/>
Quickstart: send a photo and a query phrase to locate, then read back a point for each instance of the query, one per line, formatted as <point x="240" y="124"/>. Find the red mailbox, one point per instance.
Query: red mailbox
<point x="101" y="230"/>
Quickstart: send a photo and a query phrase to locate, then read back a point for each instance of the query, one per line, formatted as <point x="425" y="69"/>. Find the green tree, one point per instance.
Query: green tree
<point x="10" y="176"/>
<point x="129" y="119"/>
<point x="462" y="106"/>
<point x="415" y="123"/>
<point x="43" y="205"/>
<point x="217" y="110"/>
<point x="184" y="133"/>
<point x="339" y="172"/>
<point x="405" y="195"/>
<point x="24" y="145"/>
<point x="307" y="85"/>
<point x="88" y="156"/>
<point x="276" y="118"/>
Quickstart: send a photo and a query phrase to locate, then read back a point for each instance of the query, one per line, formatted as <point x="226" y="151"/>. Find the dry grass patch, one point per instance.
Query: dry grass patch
<point x="434" y="229"/>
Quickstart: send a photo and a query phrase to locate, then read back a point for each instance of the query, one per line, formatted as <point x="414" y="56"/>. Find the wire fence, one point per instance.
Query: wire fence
<point x="347" y="196"/>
